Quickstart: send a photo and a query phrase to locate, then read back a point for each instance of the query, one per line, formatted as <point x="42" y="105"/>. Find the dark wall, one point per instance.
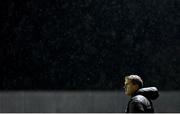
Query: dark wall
<point x="89" y="44"/>
<point x="74" y="101"/>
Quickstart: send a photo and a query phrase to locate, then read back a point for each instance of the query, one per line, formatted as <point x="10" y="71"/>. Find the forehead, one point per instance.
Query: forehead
<point x="127" y="81"/>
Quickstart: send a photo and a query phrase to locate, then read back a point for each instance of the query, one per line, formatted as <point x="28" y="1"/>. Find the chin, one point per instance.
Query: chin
<point x="127" y="94"/>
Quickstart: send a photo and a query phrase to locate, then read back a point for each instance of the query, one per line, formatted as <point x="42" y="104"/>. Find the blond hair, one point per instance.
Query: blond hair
<point x="135" y="79"/>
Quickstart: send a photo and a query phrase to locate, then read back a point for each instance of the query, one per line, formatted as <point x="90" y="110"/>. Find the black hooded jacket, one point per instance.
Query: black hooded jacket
<point x="141" y="100"/>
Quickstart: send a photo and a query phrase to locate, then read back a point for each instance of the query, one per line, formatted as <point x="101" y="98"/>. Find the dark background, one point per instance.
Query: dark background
<point x="89" y="44"/>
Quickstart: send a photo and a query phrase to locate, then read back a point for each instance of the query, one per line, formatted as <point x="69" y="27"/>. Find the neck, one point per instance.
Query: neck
<point x="134" y="93"/>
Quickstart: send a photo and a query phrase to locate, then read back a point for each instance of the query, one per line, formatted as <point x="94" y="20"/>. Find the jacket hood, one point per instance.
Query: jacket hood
<point x="149" y="92"/>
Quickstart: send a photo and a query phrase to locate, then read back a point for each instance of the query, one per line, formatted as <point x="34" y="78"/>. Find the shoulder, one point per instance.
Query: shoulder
<point x="136" y="104"/>
<point x="139" y="98"/>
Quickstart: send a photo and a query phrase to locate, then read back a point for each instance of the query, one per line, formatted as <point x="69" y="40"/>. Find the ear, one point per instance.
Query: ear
<point x="136" y="86"/>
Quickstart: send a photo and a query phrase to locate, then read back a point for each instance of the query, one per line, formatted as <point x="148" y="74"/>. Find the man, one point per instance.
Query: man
<point x="140" y="97"/>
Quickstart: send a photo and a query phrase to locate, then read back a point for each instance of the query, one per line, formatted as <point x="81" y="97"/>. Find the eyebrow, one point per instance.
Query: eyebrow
<point x="126" y="83"/>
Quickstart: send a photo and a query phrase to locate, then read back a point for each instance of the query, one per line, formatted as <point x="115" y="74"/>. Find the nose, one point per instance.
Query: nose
<point x="124" y="87"/>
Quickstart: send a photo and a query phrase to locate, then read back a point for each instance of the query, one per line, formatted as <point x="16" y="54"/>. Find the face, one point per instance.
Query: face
<point x="129" y="87"/>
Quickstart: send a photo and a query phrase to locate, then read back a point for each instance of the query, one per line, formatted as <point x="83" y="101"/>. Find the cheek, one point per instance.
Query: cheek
<point x="129" y="89"/>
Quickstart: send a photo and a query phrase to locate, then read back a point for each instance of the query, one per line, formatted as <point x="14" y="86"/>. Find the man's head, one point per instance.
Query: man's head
<point x="132" y="84"/>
